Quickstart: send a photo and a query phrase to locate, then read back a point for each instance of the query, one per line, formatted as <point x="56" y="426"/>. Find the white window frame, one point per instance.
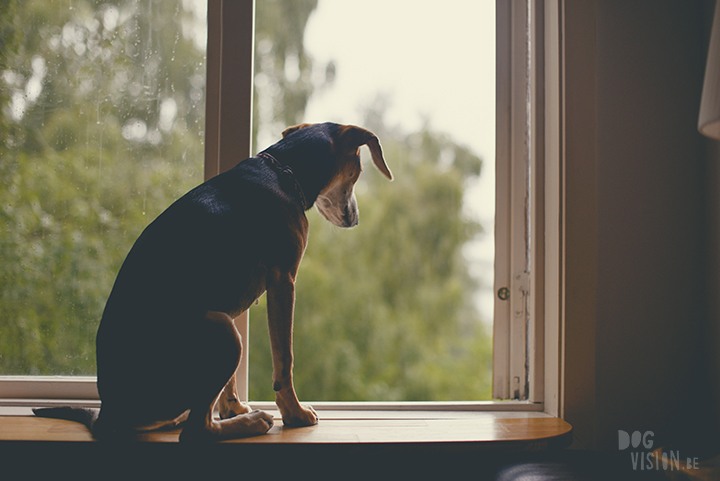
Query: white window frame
<point x="514" y="137"/>
<point x="533" y="354"/>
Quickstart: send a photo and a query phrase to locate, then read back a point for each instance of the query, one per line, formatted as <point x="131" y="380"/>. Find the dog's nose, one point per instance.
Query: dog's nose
<point x="352" y="217"/>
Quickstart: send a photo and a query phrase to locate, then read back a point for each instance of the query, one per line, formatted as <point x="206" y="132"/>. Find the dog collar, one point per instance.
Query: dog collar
<point x="285" y="173"/>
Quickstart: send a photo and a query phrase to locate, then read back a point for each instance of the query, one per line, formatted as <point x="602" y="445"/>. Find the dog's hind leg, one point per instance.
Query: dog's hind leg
<point x="229" y="404"/>
<point x="219" y="349"/>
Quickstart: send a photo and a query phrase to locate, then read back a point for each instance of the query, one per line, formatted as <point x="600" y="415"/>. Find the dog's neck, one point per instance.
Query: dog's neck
<point x="287" y="179"/>
<point x="313" y="168"/>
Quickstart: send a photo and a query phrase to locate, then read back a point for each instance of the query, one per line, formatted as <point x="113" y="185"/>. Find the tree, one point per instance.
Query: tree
<point x="103" y="113"/>
<point x="283" y="69"/>
<point x="384" y="311"/>
<point x="101" y="128"/>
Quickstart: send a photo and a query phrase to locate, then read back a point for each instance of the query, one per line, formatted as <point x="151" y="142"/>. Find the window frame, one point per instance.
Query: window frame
<point x="228" y="132"/>
<point x="228" y="129"/>
<point x="512" y="287"/>
<point x="527" y="218"/>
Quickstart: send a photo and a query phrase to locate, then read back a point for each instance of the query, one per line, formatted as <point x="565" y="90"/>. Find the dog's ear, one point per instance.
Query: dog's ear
<point x="292" y="129"/>
<point x="353" y="137"/>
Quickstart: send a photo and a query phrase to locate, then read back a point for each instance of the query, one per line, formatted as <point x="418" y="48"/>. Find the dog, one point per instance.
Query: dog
<point x="167" y="346"/>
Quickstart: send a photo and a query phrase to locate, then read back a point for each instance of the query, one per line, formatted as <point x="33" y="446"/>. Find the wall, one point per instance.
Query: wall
<point x="711" y="329"/>
<point x="651" y="315"/>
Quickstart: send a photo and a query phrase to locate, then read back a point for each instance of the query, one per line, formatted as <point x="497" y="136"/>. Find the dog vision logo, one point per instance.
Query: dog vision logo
<point x="643" y="458"/>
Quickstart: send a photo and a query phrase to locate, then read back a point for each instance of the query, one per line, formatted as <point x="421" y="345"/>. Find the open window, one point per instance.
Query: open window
<point x="178" y="111"/>
<point x="102" y="126"/>
<point x="518" y="323"/>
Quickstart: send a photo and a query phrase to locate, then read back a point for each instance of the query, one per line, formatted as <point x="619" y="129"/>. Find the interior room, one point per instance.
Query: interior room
<point x="639" y="339"/>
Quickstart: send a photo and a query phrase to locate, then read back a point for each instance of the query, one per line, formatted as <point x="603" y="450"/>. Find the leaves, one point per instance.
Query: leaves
<point x="74" y="191"/>
<point x="101" y="128"/>
<point x="384" y="311"/>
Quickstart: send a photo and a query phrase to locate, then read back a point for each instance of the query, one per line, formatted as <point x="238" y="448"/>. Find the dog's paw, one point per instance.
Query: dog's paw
<point x="253" y="423"/>
<point x="260" y="421"/>
<point x="303" y="416"/>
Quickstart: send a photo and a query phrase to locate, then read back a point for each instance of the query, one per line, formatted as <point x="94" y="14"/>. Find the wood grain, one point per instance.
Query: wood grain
<point x="503" y="431"/>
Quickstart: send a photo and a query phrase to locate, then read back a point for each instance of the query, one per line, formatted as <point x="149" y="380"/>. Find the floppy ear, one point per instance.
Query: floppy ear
<point x="292" y="129"/>
<point x="353" y="137"/>
<point x="376" y="152"/>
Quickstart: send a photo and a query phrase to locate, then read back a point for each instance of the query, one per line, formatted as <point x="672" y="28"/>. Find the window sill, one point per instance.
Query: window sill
<point x="398" y="429"/>
<point x="346" y="444"/>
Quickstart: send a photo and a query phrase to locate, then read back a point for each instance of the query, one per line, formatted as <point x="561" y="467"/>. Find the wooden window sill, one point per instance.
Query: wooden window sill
<point x="403" y="431"/>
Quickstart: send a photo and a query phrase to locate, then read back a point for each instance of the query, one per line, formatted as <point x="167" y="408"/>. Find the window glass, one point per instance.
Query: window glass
<point x="400" y="307"/>
<point x="101" y="128"/>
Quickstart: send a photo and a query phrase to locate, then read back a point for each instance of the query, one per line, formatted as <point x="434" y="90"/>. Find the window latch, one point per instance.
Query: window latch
<point x="521" y="289"/>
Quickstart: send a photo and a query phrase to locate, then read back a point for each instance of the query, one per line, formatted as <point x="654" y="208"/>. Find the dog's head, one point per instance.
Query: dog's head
<point x="337" y="202"/>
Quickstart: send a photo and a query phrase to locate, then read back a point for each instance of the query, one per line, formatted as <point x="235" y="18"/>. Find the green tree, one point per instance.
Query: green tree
<point x="283" y="69"/>
<point x="384" y="311"/>
<point x="101" y="128"/>
<point x="102" y="119"/>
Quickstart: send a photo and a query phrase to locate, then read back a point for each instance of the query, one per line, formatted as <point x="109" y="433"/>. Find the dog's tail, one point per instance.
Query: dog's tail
<point x="84" y="416"/>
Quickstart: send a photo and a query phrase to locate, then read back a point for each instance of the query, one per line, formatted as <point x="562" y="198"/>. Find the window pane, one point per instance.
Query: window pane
<point x="399" y="308"/>
<point x="101" y="129"/>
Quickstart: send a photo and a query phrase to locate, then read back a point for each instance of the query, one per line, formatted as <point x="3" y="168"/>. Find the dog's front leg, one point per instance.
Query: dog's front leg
<point x="281" y="305"/>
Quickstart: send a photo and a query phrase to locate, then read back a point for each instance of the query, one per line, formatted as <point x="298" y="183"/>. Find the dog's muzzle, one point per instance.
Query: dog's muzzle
<point x="342" y="214"/>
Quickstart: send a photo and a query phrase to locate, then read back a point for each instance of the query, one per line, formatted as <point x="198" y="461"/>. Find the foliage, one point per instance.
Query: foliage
<point x="101" y="127"/>
<point x="283" y="69"/>
<point x="92" y="155"/>
<point x="383" y="310"/>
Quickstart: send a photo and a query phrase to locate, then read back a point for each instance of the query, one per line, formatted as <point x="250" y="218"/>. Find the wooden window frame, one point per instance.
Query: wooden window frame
<point x="545" y="224"/>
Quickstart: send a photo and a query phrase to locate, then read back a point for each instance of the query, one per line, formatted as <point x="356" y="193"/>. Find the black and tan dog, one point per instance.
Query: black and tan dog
<point x="167" y="347"/>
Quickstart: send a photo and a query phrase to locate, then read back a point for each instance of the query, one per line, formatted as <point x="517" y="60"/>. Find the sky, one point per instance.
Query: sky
<point x="433" y="60"/>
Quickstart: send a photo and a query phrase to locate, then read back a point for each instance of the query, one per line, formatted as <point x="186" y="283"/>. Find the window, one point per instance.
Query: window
<point x="103" y="119"/>
<point x="392" y="302"/>
<point x="517" y="328"/>
<point x="229" y="63"/>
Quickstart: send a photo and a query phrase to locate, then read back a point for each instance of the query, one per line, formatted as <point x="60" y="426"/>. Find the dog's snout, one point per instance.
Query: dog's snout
<point x="340" y="210"/>
<point x="352" y="217"/>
